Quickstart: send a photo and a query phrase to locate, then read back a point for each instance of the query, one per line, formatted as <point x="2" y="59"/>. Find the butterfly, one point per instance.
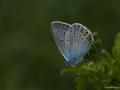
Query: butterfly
<point x="73" y="40"/>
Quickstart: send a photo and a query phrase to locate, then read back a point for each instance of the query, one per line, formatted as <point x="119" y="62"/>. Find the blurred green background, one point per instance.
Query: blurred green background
<point x="29" y="58"/>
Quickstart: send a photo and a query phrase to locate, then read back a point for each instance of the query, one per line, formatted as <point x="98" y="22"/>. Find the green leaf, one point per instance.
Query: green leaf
<point x="99" y="69"/>
<point x="116" y="47"/>
<point x="83" y="83"/>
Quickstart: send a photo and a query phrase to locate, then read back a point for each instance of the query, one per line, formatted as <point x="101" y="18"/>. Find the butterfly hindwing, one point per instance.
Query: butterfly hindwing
<point x="85" y="43"/>
<point x="70" y="42"/>
<point x="77" y="43"/>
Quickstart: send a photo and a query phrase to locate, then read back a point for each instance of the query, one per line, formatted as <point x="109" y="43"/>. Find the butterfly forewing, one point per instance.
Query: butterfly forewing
<point x="59" y="30"/>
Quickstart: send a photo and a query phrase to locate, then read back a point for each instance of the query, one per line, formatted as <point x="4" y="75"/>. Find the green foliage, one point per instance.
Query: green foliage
<point x="116" y="47"/>
<point x="100" y="69"/>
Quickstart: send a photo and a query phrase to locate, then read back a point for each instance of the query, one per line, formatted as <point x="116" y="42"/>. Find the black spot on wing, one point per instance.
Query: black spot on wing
<point x="61" y="40"/>
<point x="79" y="35"/>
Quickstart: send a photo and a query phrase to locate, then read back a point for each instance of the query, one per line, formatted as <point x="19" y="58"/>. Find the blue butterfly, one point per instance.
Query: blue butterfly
<point x="73" y="41"/>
